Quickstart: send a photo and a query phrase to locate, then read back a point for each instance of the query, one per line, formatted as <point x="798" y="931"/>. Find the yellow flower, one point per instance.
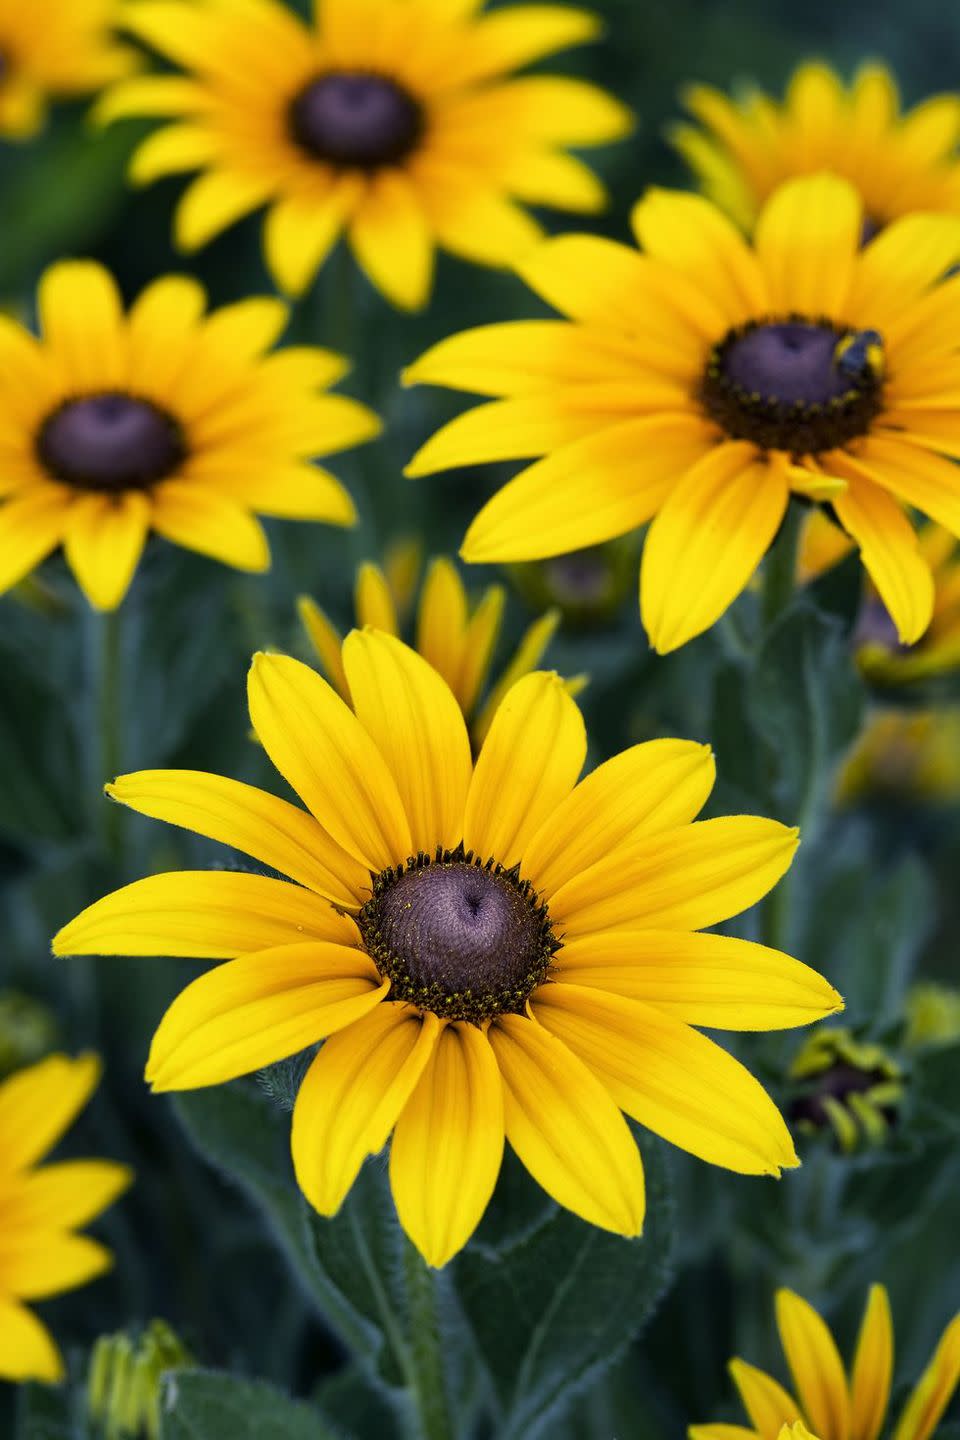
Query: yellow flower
<point x="457" y="638"/>
<point x="878" y="653"/>
<point x="832" y="1405"/>
<point x="904" y="756"/>
<point x="40" y="1207"/>
<point x="704" y="381"/>
<point x="494" y="949"/>
<point x="394" y="122"/>
<point x="164" y="419"/>
<point x="59" y="48"/>
<point x="741" y="150"/>
<point x="850" y="1086"/>
<point x="933" y="1015"/>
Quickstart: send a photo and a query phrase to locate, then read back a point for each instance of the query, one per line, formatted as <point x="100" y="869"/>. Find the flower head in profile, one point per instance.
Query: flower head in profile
<point x="57" y="50"/>
<point x="396" y="123"/>
<point x="833" y="1404"/>
<point x="702" y="383"/>
<point x="494" y="949"/>
<point x="162" y="418"/>
<point x="457" y="637"/>
<point x="41" y="1207"/>
<point x="847" y="1086"/>
<point x="903" y="758"/>
<point x="741" y="149"/>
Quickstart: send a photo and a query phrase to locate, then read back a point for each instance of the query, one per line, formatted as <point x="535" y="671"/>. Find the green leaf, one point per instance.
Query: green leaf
<point x="935" y="1085"/>
<point x="552" y="1310"/>
<point x="47" y="1414"/>
<point x="39" y="756"/>
<point x="204" y="1405"/>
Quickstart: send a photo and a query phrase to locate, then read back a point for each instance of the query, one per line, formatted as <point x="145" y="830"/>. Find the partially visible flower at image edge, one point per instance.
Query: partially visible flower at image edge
<point x="394" y="123"/>
<point x="833" y="1405"/>
<point x="161" y="419"/>
<point x="494" y="950"/>
<point x="41" y="1207"/>
<point x="701" y="384"/>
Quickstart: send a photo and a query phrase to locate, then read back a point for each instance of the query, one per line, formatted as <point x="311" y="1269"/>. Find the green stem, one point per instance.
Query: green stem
<point x="780" y="569"/>
<point x="425" y="1348"/>
<point x="107" y="725"/>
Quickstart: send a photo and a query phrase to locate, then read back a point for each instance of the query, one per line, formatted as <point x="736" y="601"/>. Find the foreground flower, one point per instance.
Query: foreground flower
<point x="394" y="122"/>
<point x="494" y="948"/>
<point x="164" y="419"/>
<point x="904" y="757"/>
<point x="457" y="638"/>
<point x="899" y="163"/>
<point x="834" y="1406"/>
<point x="59" y="49"/>
<point x="41" y="1206"/>
<point x="704" y="381"/>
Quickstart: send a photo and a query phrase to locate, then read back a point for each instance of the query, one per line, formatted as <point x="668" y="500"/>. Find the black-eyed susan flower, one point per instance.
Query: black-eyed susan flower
<point x="457" y="636"/>
<point x="741" y="149"/>
<point x="904" y="758"/>
<point x="56" y="50"/>
<point x="41" y="1207"/>
<point x="493" y="949"/>
<point x="397" y="123"/>
<point x="124" y="1384"/>
<point x="162" y="419"/>
<point x="851" y="1087"/>
<point x="703" y="382"/>
<point x="832" y="1404"/>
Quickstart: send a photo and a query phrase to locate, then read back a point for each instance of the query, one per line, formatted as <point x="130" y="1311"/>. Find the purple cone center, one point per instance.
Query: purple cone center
<point x="876" y="627"/>
<point x="352" y="118"/>
<point x="460" y="927"/>
<point x="110" y="442"/>
<point x="790" y="362"/>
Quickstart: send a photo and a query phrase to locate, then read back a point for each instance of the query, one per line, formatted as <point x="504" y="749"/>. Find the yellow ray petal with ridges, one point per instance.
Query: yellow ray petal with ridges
<point x="417" y="726"/>
<point x="815" y="1364"/>
<point x="650" y="787"/>
<point x="373" y="601"/>
<point x="40" y="1103"/>
<point x="521" y="357"/>
<point x="260" y="1009"/>
<point x="205" y="914"/>
<point x="907" y="470"/>
<point x="29" y="1351"/>
<point x="935" y="1389"/>
<point x="807" y="241"/>
<point x="322" y="750"/>
<point x="703" y="979"/>
<point x="565" y="1128"/>
<point x="671" y="1078"/>
<point x="352" y="1095"/>
<point x="268" y="829"/>
<point x="889" y="550"/>
<point x="690" y="234"/>
<point x="442" y="620"/>
<point x="682" y="879"/>
<point x="104" y="540"/>
<point x="81" y="313"/>
<point x="480" y="641"/>
<point x="474" y="220"/>
<point x="64" y="1196"/>
<point x="46" y="1262"/>
<point x="448" y="1144"/>
<point x="872" y="1371"/>
<point x="327" y="641"/>
<point x="199" y="519"/>
<point x="908" y="256"/>
<point x="161" y="331"/>
<point x="769" y="1406"/>
<point x="530" y="761"/>
<point x="527" y="656"/>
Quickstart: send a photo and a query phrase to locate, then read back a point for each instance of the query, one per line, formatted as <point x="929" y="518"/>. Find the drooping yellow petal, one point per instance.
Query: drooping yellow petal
<point x="935" y="1389"/>
<point x="650" y="787"/>
<point x="872" y="1372"/>
<point x="327" y="641"/>
<point x="392" y="241"/>
<point x="703" y="979"/>
<point x="47" y="1262"/>
<point x="566" y="1129"/>
<point x="260" y="1009"/>
<point x="259" y="824"/>
<point x="769" y="1406"/>
<point x="530" y="761"/>
<point x="104" y="540"/>
<point x="891" y="553"/>
<point x="682" y="879"/>
<point x="912" y="473"/>
<point x="64" y="1196"/>
<point x="442" y="620"/>
<point x="352" y="1095"/>
<point x="215" y="201"/>
<point x="206" y="914"/>
<point x="40" y="1103"/>
<point x="671" y="1078"/>
<point x="31" y="525"/>
<point x="416" y="724"/>
<point x="300" y="231"/>
<point x="29" y="1351"/>
<point x="322" y="750"/>
<point x="373" y="601"/>
<point x="815" y="1365"/>
<point x="199" y="519"/>
<point x="479" y="644"/>
<point x="807" y="241"/>
<point x="447" y="1148"/>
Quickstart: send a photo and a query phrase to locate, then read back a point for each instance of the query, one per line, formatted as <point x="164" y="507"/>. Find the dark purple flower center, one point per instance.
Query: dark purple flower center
<point x="875" y="626"/>
<point x="794" y="384"/>
<point x="465" y="940"/>
<point x="837" y="1084"/>
<point x="110" y="442"/>
<point x="352" y="118"/>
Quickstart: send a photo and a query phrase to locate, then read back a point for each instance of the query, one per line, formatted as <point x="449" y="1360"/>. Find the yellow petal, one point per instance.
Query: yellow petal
<point x="301" y="230"/>
<point x="682" y="879"/>
<point x="29" y="1352"/>
<point x="905" y="259"/>
<point x="206" y="914"/>
<point x="352" y="1095"/>
<point x="670" y="1078"/>
<point x="807" y="241"/>
<point x="815" y="1365"/>
<point x="514" y="37"/>
<point x="392" y="241"/>
<point x="872" y="1371"/>
<point x="650" y="787"/>
<point x="565" y="1128"/>
<point x="81" y="317"/>
<point x="260" y="1009"/>
<point x="891" y="553"/>
<point x="31" y="525"/>
<point x="909" y="471"/>
<point x="442" y="621"/>
<point x="769" y="1406"/>
<point x="199" y="519"/>
<point x="161" y="329"/>
<point x="529" y="763"/>
<point x="373" y="601"/>
<point x="39" y="1104"/>
<point x="935" y="1389"/>
<point x="215" y="201"/>
<point x="326" y="641"/>
<point x="720" y="1432"/>
<point x="713" y="980"/>
<point x="322" y="750"/>
<point x="48" y="1262"/>
<point x="104" y="540"/>
<point x="251" y="820"/>
<point x="64" y="1196"/>
<point x="172" y="150"/>
<point x="693" y="235"/>
<point x="476" y="220"/>
<point x="532" y="647"/>
<point x="448" y="1144"/>
<point x="523" y="357"/>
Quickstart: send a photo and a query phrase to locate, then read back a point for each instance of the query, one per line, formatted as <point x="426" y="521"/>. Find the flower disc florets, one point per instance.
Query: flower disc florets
<point x="110" y="442"/>
<point x="355" y="118"/>
<point x="794" y="384"/>
<point x="462" y="937"/>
